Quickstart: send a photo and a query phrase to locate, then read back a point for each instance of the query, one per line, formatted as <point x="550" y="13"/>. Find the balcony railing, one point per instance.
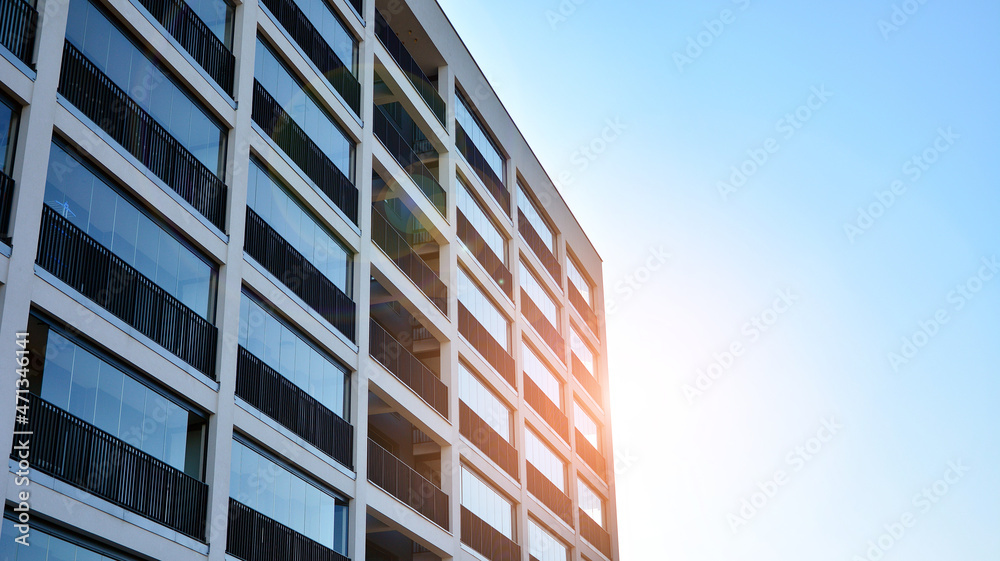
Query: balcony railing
<point x="478" y="162"/>
<point x="408" y="368"/>
<point x="590" y="456"/>
<point x="18" y="24"/>
<point x="586" y="379"/>
<point x="275" y="254"/>
<point x="197" y="39"/>
<point x="309" y="39"/>
<point x="88" y="267"/>
<point x="593" y="533"/>
<point x="409" y="67"/>
<point x="6" y="204"/>
<point x="403" y="482"/>
<point x="544" y="406"/>
<point x="111" y="109"/>
<point x="490" y="261"/>
<point x="293" y="408"/>
<point x="277" y="124"/>
<point x="542" y="325"/>
<point x="392" y="242"/>
<point x="72" y="450"/>
<point x="482" y="341"/>
<point x="538" y="247"/>
<point x="396" y="144"/>
<point x="489" y="441"/>
<point x="581" y="305"/>
<point x="487" y="540"/>
<point x="252" y="536"/>
<point x="550" y="495"/>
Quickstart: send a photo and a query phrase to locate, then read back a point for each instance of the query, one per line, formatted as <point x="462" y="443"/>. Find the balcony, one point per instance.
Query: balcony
<point x="290" y="267"/>
<point x="18" y="25"/>
<point x="197" y="39"/>
<point x="6" y="204"/>
<point x="485" y="539"/>
<point x="594" y="534"/>
<point x="91" y="269"/>
<point x="553" y="415"/>
<point x="280" y="399"/>
<point x="538" y="247"/>
<point x="482" y="341"/>
<point x="385" y="543"/>
<point x="395" y="246"/>
<point x="590" y="456"/>
<point x="586" y="379"/>
<point x="403" y="482"/>
<point x="111" y="109"/>
<point x="86" y="457"/>
<point x="542" y="325"/>
<point x="318" y="50"/>
<point x="490" y="261"/>
<point x="477" y="160"/>
<point x="550" y="495"/>
<point x="581" y="305"/>
<point x="407" y="158"/>
<point x="406" y="367"/>
<point x="409" y="67"/>
<point x="254" y="537"/>
<point x="489" y="441"/>
<point x="292" y="140"/>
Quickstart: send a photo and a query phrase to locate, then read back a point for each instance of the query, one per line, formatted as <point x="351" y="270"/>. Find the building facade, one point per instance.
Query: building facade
<point x="281" y="279"/>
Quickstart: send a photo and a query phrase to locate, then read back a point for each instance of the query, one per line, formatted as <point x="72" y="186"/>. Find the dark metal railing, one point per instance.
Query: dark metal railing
<point x="542" y="325"/>
<point x="490" y="261"/>
<point x="6" y="204"/>
<point x="550" y="495"/>
<point x="482" y="341"/>
<point x="72" y="450"/>
<point x="487" y="540"/>
<point x="407" y="368"/>
<point x="409" y="67"/>
<point x="275" y="254"/>
<point x="488" y="440"/>
<point x="581" y="305"/>
<point x="593" y="533"/>
<point x="251" y="536"/>
<point x="18" y="25"/>
<point x="309" y="39"/>
<point x="545" y="407"/>
<point x="396" y="144"/>
<point x="197" y="39"/>
<point x="539" y="248"/>
<point x="293" y="408"/>
<point x="403" y="482"/>
<point x="590" y="456"/>
<point x="586" y="379"/>
<point x="88" y="267"/>
<point x="392" y="242"/>
<point x="293" y="141"/>
<point x="478" y="162"/>
<point x="111" y="109"/>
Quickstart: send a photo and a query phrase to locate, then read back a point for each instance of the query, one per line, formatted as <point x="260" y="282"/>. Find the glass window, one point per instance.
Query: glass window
<point x="470" y="207"/>
<point x="262" y="333"/>
<point x="527" y="207"/>
<point x="217" y="15"/>
<point x="590" y="502"/>
<point x="91" y="203"/>
<point x="535" y="368"/>
<point x="545" y="459"/>
<point x="288" y="498"/>
<point x="587" y="426"/>
<point x="298" y="102"/>
<point x="582" y="351"/>
<point x="477" y="134"/>
<point x="539" y="296"/>
<point x="577" y="280"/>
<point x="483" y="309"/>
<point x="333" y="30"/>
<point x="282" y="211"/>
<point x="46" y="546"/>
<point x="133" y="70"/>
<point x="9" y="114"/>
<point x="484" y="402"/>
<point x="543" y="546"/>
<point x="486" y="503"/>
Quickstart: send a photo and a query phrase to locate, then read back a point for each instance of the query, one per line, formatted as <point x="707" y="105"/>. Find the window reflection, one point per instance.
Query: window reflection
<point x="483" y="309"/>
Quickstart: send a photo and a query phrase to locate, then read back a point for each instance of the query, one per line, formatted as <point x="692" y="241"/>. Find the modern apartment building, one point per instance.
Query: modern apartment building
<point x="281" y="279"/>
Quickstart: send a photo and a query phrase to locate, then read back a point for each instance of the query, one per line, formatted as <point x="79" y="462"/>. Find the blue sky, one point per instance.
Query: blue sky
<point x="925" y="88"/>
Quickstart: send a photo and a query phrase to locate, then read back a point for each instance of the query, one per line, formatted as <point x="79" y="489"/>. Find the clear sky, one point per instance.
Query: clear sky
<point x="834" y="291"/>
